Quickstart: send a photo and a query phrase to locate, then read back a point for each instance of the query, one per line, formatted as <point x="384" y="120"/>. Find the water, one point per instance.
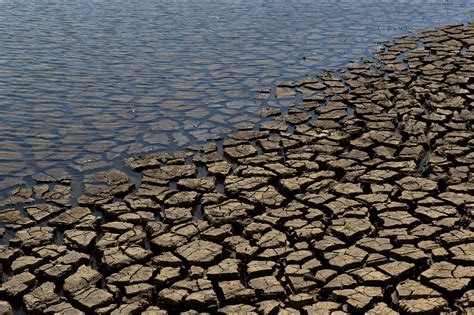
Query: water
<point x="84" y="84"/>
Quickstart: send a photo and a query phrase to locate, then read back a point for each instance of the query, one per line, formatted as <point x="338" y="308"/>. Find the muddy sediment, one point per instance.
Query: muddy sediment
<point x="356" y="199"/>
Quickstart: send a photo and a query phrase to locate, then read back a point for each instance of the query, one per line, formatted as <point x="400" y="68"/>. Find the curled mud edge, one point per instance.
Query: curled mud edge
<point x="357" y="199"/>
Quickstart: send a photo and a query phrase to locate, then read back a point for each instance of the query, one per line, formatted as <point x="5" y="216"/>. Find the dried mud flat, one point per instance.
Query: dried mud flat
<point x="357" y="200"/>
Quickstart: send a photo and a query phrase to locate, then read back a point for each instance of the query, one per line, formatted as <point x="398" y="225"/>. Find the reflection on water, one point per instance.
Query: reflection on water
<point x="84" y="84"/>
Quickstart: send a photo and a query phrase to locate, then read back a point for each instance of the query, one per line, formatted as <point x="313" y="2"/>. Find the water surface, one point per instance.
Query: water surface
<point x="84" y="84"/>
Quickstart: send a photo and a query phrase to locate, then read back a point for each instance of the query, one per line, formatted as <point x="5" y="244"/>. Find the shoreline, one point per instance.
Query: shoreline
<point x="85" y="108"/>
<point x="362" y="192"/>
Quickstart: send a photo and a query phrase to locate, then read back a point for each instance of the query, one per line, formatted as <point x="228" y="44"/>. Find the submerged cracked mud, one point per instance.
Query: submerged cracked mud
<point x="358" y="198"/>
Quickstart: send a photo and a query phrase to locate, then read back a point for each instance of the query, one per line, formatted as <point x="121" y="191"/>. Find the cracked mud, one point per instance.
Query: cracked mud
<point x="358" y="198"/>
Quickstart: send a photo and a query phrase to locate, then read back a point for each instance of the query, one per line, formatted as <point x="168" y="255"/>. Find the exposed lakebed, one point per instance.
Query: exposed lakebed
<point x="357" y="198"/>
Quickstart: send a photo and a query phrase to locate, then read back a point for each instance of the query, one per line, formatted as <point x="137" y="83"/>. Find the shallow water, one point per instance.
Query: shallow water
<point x="85" y="84"/>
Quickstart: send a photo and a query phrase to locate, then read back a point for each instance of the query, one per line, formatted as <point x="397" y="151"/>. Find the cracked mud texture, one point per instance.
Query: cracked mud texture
<point x="358" y="198"/>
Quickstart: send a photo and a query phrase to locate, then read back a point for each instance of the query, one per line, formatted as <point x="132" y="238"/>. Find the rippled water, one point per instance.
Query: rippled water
<point x="85" y="83"/>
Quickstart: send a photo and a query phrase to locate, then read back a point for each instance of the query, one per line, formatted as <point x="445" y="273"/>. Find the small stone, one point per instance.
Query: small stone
<point x="168" y="173"/>
<point x="238" y="309"/>
<point x="235" y="292"/>
<point x="7" y="253"/>
<point x="296" y="184"/>
<point x="346" y="258"/>
<point x="322" y="276"/>
<point x="369" y="276"/>
<point x="202" y="184"/>
<point x="70" y="217"/>
<point x="397" y="269"/>
<point x="5" y="308"/>
<point x="173" y="297"/>
<point x="409" y="253"/>
<point x="273" y="238"/>
<point x="139" y="163"/>
<point x="117" y="227"/>
<point x="300" y="300"/>
<point x="328" y="243"/>
<point x="196" y="272"/>
<point x="118" y="257"/>
<point x="434" y="305"/>
<point x="63" y="265"/>
<point x="18" y="196"/>
<point x="143" y="290"/>
<point x="41" y="297"/>
<point x="301" y="284"/>
<point x="200" y="253"/>
<point x="177" y="215"/>
<point x="463" y="253"/>
<point x="342" y="281"/>
<point x="348" y="189"/>
<point x="182" y="199"/>
<point x="283" y="91"/>
<point x="212" y="198"/>
<point x="350" y="229"/>
<point x="35" y="236"/>
<point x="131" y="274"/>
<point x="222" y="168"/>
<point x="266" y="196"/>
<point x="235" y="184"/>
<point x="154" y="310"/>
<point x="59" y="194"/>
<point x="395" y="219"/>
<point x="417" y="183"/>
<point x="410" y="289"/>
<point x="360" y="297"/>
<point x="380" y="245"/>
<point x="455" y="237"/>
<point x="18" y="284"/>
<point x="167" y="259"/>
<point x="50" y="251"/>
<point x="130" y="308"/>
<point x="79" y="239"/>
<point x="381" y="308"/>
<point x="378" y="176"/>
<point x="447" y="277"/>
<point x="92" y="298"/>
<point x="42" y="211"/>
<point x="84" y="277"/>
<point x="23" y="263"/>
<point x="13" y="219"/>
<point x="138" y="203"/>
<point x="258" y="268"/>
<point x="159" y="193"/>
<point x="433" y="213"/>
<point x="267" y="287"/>
<point x="324" y="308"/>
<point x="227" y="211"/>
<point x="202" y="298"/>
<point x="167" y="276"/>
<point x="240" y="151"/>
<point x="139" y="217"/>
<point x="228" y="269"/>
<point x="299" y="257"/>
